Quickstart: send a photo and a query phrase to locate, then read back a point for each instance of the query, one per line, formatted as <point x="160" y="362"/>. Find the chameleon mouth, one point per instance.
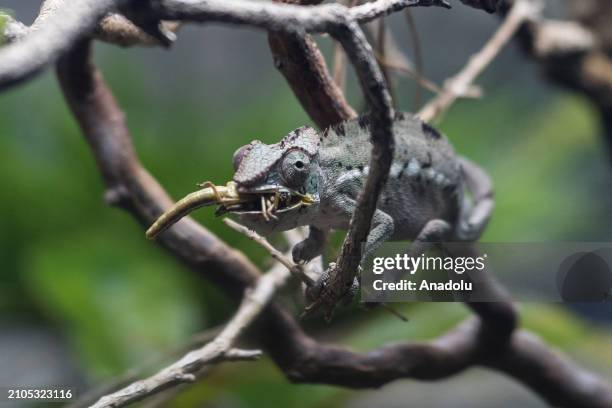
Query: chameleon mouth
<point x="265" y="202"/>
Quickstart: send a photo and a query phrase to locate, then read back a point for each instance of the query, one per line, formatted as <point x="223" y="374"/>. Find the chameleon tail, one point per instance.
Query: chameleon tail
<point x="475" y="218"/>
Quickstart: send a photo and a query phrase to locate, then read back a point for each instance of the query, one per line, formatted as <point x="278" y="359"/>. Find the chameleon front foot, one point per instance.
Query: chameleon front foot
<point x="323" y="295"/>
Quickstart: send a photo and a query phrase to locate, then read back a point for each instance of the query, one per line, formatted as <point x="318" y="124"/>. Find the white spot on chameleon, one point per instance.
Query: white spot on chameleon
<point x="413" y="167"/>
<point x="352" y="174"/>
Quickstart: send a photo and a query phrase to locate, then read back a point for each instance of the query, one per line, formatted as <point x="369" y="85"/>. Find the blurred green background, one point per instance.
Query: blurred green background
<point x="83" y="295"/>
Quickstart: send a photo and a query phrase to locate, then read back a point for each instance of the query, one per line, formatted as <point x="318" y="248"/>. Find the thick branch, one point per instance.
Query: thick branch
<point x="552" y="375"/>
<point x="117" y="29"/>
<point x="52" y="38"/>
<point x="281" y="17"/>
<point x="341" y="23"/>
<point x="13" y="29"/>
<point x="526" y="358"/>
<point x="381" y="115"/>
<point x="299" y="356"/>
<point x="575" y="54"/>
<point x="113" y="28"/>
<point x="298" y="58"/>
<point x="220" y="349"/>
<point x="130" y="186"/>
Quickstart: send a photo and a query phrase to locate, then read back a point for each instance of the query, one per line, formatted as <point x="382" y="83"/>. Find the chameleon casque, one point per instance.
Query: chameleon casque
<point x="314" y="178"/>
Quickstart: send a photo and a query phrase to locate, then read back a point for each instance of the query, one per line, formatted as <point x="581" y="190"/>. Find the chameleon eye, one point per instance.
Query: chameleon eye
<point x="295" y="168"/>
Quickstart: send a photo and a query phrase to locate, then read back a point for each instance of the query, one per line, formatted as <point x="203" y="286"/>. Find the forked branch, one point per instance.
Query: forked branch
<point x="458" y="85"/>
<point x="301" y="358"/>
<point x="221" y="348"/>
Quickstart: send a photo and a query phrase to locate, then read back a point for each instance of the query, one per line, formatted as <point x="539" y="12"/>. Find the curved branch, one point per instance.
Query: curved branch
<point x="379" y="101"/>
<point x="575" y="54"/>
<point x="130" y="186"/>
<point x="281" y="17"/>
<point x="113" y="28"/>
<point x="192" y="365"/>
<point x="298" y="58"/>
<point x="300" y="357"/>
<point x="340" y="22"/>
<point x="119" y="30"/>
<point x="51" y="39"/>
<point x="522" y="10"/>
<point x="553" y="376"/>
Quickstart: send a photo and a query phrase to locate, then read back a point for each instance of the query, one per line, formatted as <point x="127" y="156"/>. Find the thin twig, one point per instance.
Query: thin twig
<point x="418" y="58"/>
<point x="299" y="356"/>
<point x="183" y="371"/>
<point x="339" y="64"/>
<point x="342" y="23"/>
<point x="382" y="39"/>
<point x="134" y="373"/>
<point x="339" y="57"/>
<point x="295" y="269"/>
<point x="222" y="347"/>
<point x="411" y="73"/>
<point x="460" y="83"/>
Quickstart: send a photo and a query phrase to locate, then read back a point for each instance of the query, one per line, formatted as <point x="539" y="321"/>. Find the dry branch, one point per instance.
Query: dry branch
<point x="298" y="58"/>
<point x="119" y="30"/>
<point x="342" y="23"/>
<point x="285" y="260"/>
<point x="13" y="29"/>
<point x="183" y="371"/>
<point x="114" y="28"/>
<point x="575" y="54"/>
<point x="140" y="370"/>
<point x="460" y="84"/>
<point x="300" y="357"/>
<point x="324" y="18"/>
<point x="221" y="348"/>
<point x="50" y="38"/>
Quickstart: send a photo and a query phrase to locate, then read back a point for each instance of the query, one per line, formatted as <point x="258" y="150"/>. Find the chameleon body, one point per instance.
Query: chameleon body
<point x="427" y="181"/>
<point x="314" y="178"/>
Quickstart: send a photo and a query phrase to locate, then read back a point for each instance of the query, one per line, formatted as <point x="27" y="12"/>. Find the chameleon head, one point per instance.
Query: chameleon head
<point x="272" y="188"/>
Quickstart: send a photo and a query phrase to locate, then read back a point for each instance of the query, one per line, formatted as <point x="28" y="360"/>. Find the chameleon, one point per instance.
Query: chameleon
<point x="313" y="178"/>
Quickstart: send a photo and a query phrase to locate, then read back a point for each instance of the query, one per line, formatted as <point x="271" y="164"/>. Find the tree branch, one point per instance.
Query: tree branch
<point x="113" y="28"/>
<point x="298" y="58"/>
<point x="575" y="54"/>
<point x="300" y="357"/>
<point x="460" y="84"/>
<point x="282" y="17"/>
<point x="220" y="349"/>
<point x="119" y="30"/>
<point x="340" y="22"/>
<point x="285" y="260"/>
<point x="50" y="38"/>
<point x="134" y="373"/>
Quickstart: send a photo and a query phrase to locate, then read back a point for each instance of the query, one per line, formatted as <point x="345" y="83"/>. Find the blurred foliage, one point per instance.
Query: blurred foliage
<point x="3" y="21"/>
<point x="69" y="263"/>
